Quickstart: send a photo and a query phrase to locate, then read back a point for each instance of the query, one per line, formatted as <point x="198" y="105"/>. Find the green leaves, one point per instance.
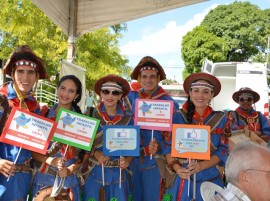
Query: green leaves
<point x="21" y="22"/>
<point x="234" y="32"/>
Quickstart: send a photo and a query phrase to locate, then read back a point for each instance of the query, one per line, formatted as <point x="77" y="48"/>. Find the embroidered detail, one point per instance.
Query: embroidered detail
<point x="167" y="197"/>
<point x="26" y="63"/>
<point x="109" y="85"/>
<point x="250" y="120"/>
<point x="201" y="84"/>
<point x="91" y="199"/>
<point x="113" y="199"/>
<point x="149" y="68"/>
<point x="130" y="197"/>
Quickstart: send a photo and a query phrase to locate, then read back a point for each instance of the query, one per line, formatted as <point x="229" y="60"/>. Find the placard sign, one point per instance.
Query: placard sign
<point x="28" y="130"/>
<point x="154" y="114"/>
<point x="121" y="140"/>
<point x="191" y="141"/>
<point x="75" y="129"/>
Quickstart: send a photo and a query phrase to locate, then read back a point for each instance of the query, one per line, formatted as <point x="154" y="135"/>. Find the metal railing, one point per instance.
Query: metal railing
<point x="43" y="93"/>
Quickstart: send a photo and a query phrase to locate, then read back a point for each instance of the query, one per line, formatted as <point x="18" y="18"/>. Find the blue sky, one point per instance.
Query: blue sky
<point x="160" y="35"/>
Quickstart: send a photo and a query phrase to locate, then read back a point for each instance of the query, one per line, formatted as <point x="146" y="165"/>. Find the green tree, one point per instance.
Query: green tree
<point x="234" y="32"/>
<point x="199" y="44"/>
<point x="22" y="22"/>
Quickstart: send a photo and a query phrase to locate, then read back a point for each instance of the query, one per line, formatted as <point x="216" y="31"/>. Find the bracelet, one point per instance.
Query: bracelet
<point x="172" y="163"/>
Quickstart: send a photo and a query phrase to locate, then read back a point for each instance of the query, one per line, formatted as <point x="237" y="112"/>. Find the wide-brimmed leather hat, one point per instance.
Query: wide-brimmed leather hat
<point x="148" y="61"/>
<point x="256" y="96"/>
<point x="112" y="78"/>
<point x="25" y="54"/>
<point x="202" y="76"/>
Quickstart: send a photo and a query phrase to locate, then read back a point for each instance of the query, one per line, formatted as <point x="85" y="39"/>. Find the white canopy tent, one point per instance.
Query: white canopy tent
<point x="77" y="17"/>
<point x="88" y="15"/>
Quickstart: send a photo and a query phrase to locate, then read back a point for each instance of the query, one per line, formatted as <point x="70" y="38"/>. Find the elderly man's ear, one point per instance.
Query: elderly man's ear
<point x="244" y="179"/>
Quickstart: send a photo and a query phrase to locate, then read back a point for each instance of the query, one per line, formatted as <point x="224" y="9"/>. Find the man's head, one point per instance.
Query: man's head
<point x="248" y="168"/>
<point x="245" y="97"/>
<point x="25" y="68"/>
<point x="149" y="73"/>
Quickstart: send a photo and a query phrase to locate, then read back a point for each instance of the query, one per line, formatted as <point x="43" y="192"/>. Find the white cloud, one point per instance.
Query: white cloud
<point x="164" y="41"/>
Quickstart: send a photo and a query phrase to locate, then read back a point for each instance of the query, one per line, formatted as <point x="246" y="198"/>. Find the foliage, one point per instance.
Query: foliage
<point x="168" y="82"/>
<point x="234" y="32"/>
<point x="199" y="44"/>
<point x="22" y="22"/>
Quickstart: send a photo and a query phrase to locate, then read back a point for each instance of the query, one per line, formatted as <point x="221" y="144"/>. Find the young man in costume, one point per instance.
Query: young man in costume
<point x="146" y="175"/>
<point x="246" y="116"/>
<point x="25" y="68"/>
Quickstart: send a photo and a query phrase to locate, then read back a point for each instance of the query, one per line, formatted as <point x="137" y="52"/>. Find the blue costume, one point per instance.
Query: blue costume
<point x="179" y="190"/>
<point x="94" y="181"/>
<point x="18" y="185"/>
<point x="46" y="174"/>
<point x="255" y="121"/>
<point x="146" y="176"/>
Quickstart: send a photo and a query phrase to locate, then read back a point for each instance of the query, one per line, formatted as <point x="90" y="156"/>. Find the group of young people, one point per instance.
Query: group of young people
<point x="91" y="175"/>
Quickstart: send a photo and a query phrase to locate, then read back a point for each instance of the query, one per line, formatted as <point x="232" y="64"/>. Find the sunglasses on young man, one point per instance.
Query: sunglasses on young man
<point x="114" y="93"/>
<point x="245" y="99"/>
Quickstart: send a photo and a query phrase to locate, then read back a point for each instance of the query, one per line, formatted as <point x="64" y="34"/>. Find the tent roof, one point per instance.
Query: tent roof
<point x="89" y="15"/>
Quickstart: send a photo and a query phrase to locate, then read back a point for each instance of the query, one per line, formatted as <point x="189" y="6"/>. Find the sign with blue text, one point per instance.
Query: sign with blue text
<point x="191" y="141"/>
<point x="75" y="129"/>
<point x="121" y="140"/>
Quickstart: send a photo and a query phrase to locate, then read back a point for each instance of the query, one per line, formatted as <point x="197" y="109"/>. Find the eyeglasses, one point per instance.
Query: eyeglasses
<point x="114" y="93"/>
<point x="245" y="99"/>
<point x="267" y="171"/>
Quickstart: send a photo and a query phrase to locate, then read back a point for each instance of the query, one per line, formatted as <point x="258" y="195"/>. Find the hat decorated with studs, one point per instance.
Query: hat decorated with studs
<point x="148" y="63"/>
<point x="214" y="83"/>
<point x="114" y="82"/>
<point x="246" y="92"/>
<point x="24" y="56"/>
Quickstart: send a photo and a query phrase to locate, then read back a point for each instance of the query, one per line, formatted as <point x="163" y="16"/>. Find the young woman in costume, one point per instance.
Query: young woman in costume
<point x="201" y="88"/>
<point x="110" y="111"/>
<point x="58" y="160"/>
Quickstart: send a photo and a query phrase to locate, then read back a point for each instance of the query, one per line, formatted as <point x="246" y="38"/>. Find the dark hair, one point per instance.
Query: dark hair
<point x="78" y="91"/>
<point x="190" y="110"/>
<point x="75" y="102"/>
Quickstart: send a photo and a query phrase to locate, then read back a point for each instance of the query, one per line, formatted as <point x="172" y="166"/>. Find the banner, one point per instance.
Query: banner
<point x="121" y="140"/>
<point x="191" y="141"/>
<point x="154" y="114"/>
<point x="28" y="130"/>
<point x="75" y="129"/>
<point x="72" y="69"/>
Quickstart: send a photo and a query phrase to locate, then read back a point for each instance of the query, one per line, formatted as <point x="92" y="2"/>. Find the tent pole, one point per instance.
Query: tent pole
<point x="72" y="30"/>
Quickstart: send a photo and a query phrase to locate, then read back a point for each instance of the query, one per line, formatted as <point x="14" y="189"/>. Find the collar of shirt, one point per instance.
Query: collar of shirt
<point x="237" y="192"/>
<point x="52" y="113"/>
<point x="119" y="111"/>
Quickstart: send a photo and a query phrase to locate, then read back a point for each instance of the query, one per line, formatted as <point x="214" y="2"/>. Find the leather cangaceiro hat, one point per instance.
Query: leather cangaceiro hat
<point x="202" y="76"/>
<point x="23" y="55"/>
<point x="112" y="78"/>
<point x="148" y="62"/>
<point x="247" y="90"/>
